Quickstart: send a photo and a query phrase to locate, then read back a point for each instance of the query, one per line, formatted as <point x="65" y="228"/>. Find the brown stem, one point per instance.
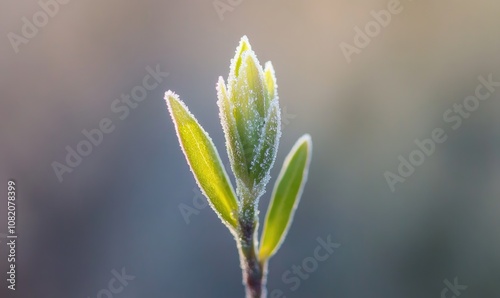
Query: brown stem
<point x="254" y="272"/>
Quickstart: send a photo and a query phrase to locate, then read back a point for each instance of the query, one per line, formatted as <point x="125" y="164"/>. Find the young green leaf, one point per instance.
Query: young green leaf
<point x="204" y="161"/>
<point x="285" y="197"/>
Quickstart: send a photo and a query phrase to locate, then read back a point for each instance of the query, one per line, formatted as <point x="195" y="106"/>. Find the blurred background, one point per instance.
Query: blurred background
<point x="119" y="209"/>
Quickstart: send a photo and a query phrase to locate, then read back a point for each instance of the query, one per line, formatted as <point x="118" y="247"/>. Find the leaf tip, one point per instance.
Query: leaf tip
<point x="305" y="140"/>
<point x="169" y="95"/>
<point x="170" y="98"/>
<point x="244" y="44"/>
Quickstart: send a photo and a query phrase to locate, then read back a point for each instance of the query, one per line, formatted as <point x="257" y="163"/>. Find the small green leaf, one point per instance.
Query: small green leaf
<point x="247" y="96"/>
<point x="236" y="61"/>
<point x="204" y="161"/>
<point x="270" y="81"/>
<point x="234" y="146"/>
<point x="285" y="197"/>
<point x="267" y="147"/>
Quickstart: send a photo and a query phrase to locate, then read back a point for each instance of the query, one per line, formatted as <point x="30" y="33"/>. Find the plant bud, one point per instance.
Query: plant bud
<point x="251" y="119"/>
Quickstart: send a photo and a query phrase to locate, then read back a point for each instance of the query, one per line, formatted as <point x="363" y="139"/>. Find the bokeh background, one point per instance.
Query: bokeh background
<point x="119" y="208"/>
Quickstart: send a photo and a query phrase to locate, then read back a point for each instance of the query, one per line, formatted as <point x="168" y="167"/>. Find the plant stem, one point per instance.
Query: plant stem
<point x="254" y="272"/>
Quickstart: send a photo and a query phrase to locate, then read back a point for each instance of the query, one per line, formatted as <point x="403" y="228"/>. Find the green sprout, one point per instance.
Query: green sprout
<point x="251" y="120"/>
